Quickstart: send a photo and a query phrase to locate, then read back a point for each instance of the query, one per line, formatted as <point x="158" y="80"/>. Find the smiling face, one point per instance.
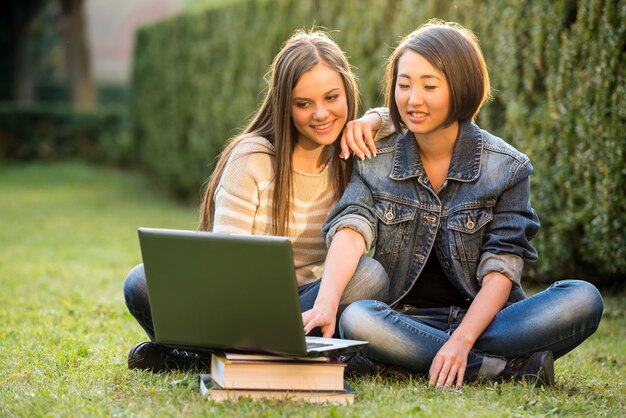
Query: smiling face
<point x="422" y="95"/>
<point x="319" y="106"/>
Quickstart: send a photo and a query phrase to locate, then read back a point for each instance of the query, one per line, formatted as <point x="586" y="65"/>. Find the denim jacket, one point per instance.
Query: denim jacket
<point x="480" y="221"/>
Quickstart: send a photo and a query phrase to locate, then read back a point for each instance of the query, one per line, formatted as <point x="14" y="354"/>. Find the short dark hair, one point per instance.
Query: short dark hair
<point x="454" y="51"/>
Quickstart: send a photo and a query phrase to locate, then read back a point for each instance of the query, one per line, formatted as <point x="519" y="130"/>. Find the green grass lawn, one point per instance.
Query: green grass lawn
<point x="68" y="238"/>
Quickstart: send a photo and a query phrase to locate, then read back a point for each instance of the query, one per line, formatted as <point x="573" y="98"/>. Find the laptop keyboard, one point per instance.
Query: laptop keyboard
<point x="310" y="345"/>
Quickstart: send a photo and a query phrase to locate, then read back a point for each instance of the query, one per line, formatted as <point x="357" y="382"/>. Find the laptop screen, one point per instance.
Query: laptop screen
<point x="218" y="291"/>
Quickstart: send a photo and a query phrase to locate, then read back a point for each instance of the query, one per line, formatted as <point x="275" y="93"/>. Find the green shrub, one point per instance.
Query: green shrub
<point x="57" y="131"/>
<point x="557" y="69"/>
<point x="54" y="91"/>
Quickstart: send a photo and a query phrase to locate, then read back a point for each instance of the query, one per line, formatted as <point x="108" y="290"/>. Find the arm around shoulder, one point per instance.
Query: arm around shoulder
<point x="385" y="128"/>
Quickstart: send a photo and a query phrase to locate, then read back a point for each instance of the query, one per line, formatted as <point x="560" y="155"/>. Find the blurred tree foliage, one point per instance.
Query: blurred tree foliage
<point x="48" y="106"/>
<point x="557" y="69"/>
<point x="196" y="5"/>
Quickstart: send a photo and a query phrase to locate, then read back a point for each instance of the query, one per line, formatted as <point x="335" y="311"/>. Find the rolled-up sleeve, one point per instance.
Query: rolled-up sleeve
<point x="509" y="265"/>
<point x="507" y="246"/>
<point x="356" y="223"/>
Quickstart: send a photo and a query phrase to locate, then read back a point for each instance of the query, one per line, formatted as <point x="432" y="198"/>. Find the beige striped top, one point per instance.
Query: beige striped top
<point x="243" y="201"/>
<point x="243" y="204"/>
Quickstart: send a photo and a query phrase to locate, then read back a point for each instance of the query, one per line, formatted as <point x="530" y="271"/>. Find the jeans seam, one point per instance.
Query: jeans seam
<point x="557" y="341"/>
<point x="400" y="317"/>
<point x="521" y="301"/>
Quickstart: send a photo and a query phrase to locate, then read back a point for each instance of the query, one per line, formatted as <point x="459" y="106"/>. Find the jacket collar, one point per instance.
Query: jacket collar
<point x="465" y="164"/>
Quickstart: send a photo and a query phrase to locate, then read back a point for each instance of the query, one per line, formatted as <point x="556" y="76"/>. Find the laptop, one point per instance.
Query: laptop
<point x="220" y="292"/>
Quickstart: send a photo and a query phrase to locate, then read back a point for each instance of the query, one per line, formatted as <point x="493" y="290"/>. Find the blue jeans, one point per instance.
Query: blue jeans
<point x="369" y="282"/>
<point x="557" y="319"/>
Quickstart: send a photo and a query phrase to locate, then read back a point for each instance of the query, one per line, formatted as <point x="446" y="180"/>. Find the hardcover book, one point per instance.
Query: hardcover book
<point x="282" y="374"/>
<point x="215" y="392"/>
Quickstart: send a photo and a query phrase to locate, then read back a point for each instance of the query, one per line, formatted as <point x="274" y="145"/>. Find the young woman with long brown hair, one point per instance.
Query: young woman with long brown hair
<point x="281" y="176"/>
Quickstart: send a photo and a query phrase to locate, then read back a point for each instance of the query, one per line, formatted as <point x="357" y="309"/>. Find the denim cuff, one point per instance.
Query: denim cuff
<point x="356" y="223"/>
<point x="509" y="265"/>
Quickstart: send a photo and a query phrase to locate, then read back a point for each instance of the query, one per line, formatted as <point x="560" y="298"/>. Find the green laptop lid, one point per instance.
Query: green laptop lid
<point x="219" y="291"/>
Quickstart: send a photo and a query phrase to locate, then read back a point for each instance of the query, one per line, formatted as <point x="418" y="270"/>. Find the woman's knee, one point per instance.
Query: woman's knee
<point x="371" y="279"/>
<point x="357" y="319"/>
<point x="135" y="285"/>
<point x="585" y="296"/>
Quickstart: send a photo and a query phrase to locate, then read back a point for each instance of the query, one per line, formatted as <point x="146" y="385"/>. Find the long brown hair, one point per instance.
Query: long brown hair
<point x="273" y="121"/>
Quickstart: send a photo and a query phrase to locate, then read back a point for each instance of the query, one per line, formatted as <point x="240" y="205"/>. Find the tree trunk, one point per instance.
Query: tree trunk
<point x="74" y="32"/>
<point x="17" y="20"/>
<point x="23" y="86"/>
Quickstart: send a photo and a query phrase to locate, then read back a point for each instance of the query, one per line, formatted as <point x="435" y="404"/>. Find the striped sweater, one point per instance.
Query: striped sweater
<point x="243" y="204"/>
<point x="243" y="201"/>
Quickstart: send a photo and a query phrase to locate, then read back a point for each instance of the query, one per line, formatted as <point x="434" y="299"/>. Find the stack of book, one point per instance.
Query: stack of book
<point x="317" y="379"/>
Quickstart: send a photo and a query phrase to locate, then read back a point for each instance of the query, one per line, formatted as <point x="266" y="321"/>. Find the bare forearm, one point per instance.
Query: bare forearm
<point x="488" y="302"/>
<point x="341" y="262"/>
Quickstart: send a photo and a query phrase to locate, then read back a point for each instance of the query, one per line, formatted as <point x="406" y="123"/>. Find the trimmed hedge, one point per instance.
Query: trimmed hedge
<point x="53" y="91"/>
<point x="557" y="68"/>
<point x="57" y="131"/>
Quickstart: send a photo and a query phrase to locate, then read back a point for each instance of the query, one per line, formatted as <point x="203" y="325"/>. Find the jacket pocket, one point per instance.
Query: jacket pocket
<point x="395" y="220"/>
<point x="466" y="231"/>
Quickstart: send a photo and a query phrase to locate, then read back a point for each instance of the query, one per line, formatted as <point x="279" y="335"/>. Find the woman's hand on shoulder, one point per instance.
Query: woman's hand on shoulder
<point x="358" y="136"/>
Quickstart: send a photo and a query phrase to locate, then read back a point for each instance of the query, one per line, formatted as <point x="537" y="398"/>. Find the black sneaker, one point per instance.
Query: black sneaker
<point x="158" y="358"/>
<point x="537" y="368"/>
<point x="358" y="365"/>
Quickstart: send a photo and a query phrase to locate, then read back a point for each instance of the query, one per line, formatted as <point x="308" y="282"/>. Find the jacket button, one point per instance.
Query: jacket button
<point x="470" y="224"/>
<point x="446" y="265"/>
<point x="389" y="214"/>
